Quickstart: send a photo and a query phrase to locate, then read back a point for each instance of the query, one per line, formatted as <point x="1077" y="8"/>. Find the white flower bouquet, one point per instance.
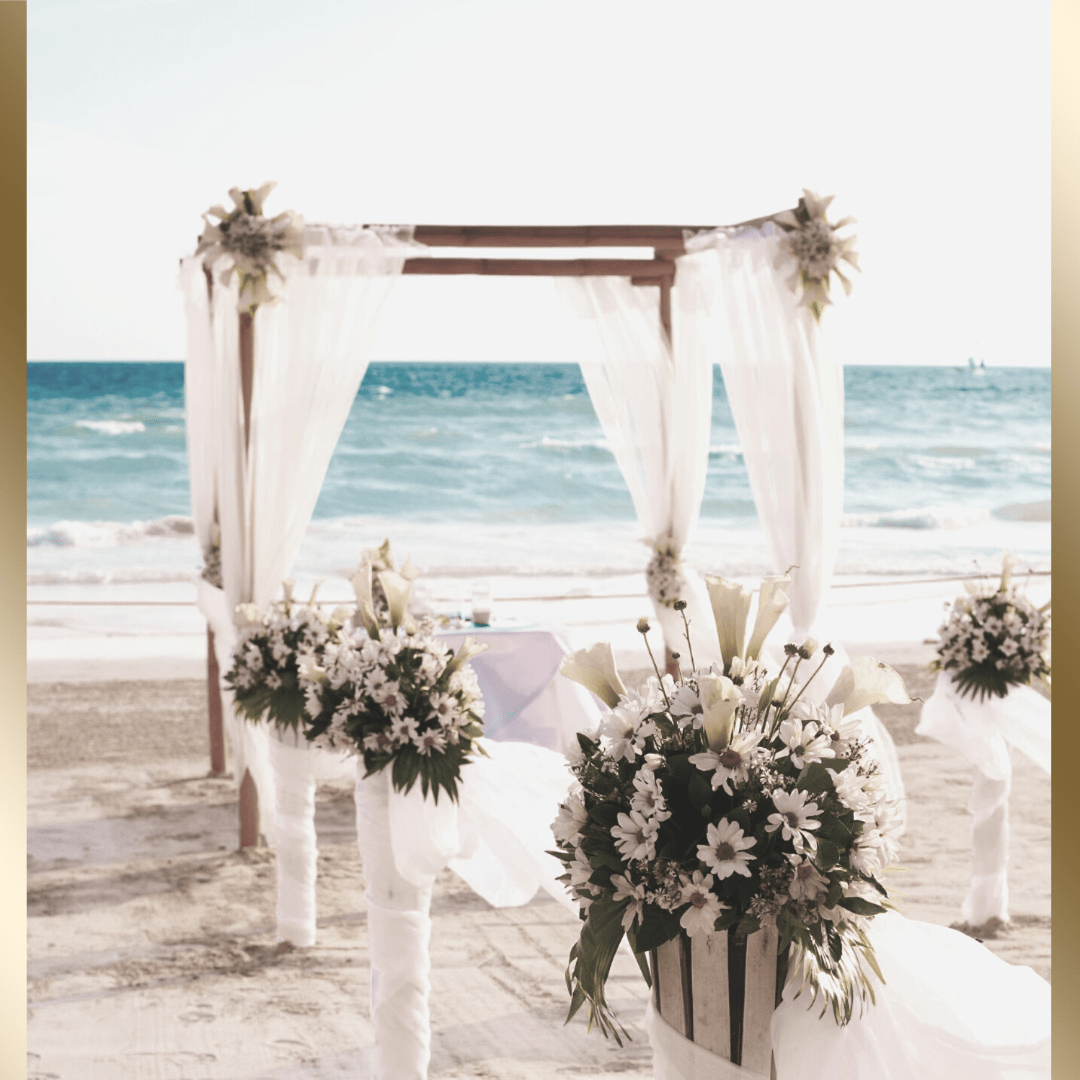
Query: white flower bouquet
<point x="663" y="575"/>
<point x="991" y="641"/>
<point x="271" y="650"/>
<point x="724" y="802"/>
<point x="389" y="690"/>
<point x="811" y="240"/>
<point x="250" y="243"/>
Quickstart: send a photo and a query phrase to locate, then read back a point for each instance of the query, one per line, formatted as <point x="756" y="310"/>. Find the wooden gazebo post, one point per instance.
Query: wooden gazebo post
<point x="249" y="794"/>
<point x="213" y="708"/>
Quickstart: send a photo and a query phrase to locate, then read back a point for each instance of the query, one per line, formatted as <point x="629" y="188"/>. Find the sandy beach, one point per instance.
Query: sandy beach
<point x="151" y="938"/>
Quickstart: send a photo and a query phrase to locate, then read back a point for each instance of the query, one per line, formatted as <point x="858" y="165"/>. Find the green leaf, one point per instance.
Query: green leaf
<point x="640" y="955"/>
<point x="861" y="906"/>
<point x="828" y="854"/>
<point x="814" y="778"/>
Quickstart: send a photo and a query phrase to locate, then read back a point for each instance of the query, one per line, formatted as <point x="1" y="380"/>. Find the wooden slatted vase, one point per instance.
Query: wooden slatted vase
<point x="720" y="992"/>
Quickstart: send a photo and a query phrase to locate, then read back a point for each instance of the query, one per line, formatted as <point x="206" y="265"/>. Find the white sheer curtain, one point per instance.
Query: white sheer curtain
<point x="655" y="406"/>
<point x="786" y="392"/>
<point x="311" y="350"/>
<point x="213" y="410"/>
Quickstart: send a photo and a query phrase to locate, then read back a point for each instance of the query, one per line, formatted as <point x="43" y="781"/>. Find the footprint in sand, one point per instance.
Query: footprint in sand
<point x="199" y="1014"/>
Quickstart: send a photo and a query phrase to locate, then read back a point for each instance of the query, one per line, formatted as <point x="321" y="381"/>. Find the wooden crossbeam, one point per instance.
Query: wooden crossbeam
<point x="665" y="240"/>
<point x="567" y="236"/>
<point x="650" y="271"/>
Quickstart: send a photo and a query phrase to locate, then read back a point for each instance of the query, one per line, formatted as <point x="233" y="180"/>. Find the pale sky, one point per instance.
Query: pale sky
<point x="929" y="122"/>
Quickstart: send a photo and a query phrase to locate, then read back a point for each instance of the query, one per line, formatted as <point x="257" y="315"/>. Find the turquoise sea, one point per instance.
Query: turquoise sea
<point x="503" y="468"/>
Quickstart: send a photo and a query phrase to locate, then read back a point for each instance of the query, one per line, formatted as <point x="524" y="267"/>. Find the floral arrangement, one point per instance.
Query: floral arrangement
<point x="812" y="241"/>
<point x="252" y="242"/>
<point x="726" y="801"/>
<point x="272" y="649"/>
<point x="664" y="577"/>
<point x="389" y="690"/>
<point x="991" y="641"/>
<point x="211" y="569"/>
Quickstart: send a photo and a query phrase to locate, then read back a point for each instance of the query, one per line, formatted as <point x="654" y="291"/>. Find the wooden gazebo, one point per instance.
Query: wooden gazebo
<point x="666" y="243"/>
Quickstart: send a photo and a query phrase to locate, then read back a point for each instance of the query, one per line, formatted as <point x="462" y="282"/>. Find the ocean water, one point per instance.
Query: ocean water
<point x="502" y="470"/>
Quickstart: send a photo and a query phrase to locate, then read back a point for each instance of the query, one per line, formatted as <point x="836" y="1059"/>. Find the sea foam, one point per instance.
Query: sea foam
<point x="108" y="533"/>
<point x="927" y="517"/>
<point x="112" y="427"/>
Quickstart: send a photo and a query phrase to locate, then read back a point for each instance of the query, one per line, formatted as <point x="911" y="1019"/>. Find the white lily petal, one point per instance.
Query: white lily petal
<point x="258" y="197"/>
<point x="773" y="601"/>
<point x="398" y="590"/>
<point x="594" y="668"/>
<point x="469" y="648"/>
<point x="719" y="699"/>
<point x="365" y="603"/>
<point x="866" y="681"/>
<point x="731" y="608"/>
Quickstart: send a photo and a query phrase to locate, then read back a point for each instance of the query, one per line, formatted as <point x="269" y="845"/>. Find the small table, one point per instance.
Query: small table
<point x="525" y="697"/>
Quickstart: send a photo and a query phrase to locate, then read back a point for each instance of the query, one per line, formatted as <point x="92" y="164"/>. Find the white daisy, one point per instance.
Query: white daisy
<point x="804" y="742"/>
<point x="726" y="851"/>
<point x="705" y="907"/>
<point x="795" y="816"/>
<point x="571" y="820"/>
<point x="732" y="764"/>
<point x="625" y="889"/>
<point x="430" y="742"/>
<point x="648" y="798"/>
<point x="806" y="882"/>
<point x="635" y="835"/>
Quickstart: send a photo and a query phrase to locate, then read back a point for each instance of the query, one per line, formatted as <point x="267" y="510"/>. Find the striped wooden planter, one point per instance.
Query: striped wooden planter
<point x="720" y="992"/>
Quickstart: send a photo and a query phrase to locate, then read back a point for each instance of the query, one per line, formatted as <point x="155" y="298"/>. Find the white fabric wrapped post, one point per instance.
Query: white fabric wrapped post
<point x="399" y="937"/>
<point x="988" y="896"/>
<point x="786" y="393"/>
<point x="297" y="851"/>
<point x="983" y="731"/>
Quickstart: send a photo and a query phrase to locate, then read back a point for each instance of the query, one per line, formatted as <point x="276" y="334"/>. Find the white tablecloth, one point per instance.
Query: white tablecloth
<point x="525" y="698"/>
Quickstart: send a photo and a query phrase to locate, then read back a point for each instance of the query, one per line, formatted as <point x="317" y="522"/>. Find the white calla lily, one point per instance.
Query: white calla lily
<point x="398" y="591"/>
<point x="245" y="615"/>
<point x="594" y="668"/>
<point x="469" y="648"/>
<point x="866" y="681"/>
<point x="772" y="603"/>
<point x="720" y="697"/>
<point x="731" y="608"/>
<point x="365" y="602"/>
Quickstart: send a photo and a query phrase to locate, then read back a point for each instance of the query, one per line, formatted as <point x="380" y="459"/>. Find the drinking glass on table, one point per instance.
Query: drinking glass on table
<point x="481" y="603"/>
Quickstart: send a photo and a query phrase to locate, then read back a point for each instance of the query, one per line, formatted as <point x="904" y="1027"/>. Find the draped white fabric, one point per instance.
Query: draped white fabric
<point x="786" y="393"/>
<point x="984" y="731"/>
<point x="654" y="401"/>
<point x="949" y="1010"/>
<point x="311" y="350"/>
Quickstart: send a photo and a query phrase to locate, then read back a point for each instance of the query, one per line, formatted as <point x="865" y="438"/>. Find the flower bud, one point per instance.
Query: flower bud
<point x="643" y="625"/>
